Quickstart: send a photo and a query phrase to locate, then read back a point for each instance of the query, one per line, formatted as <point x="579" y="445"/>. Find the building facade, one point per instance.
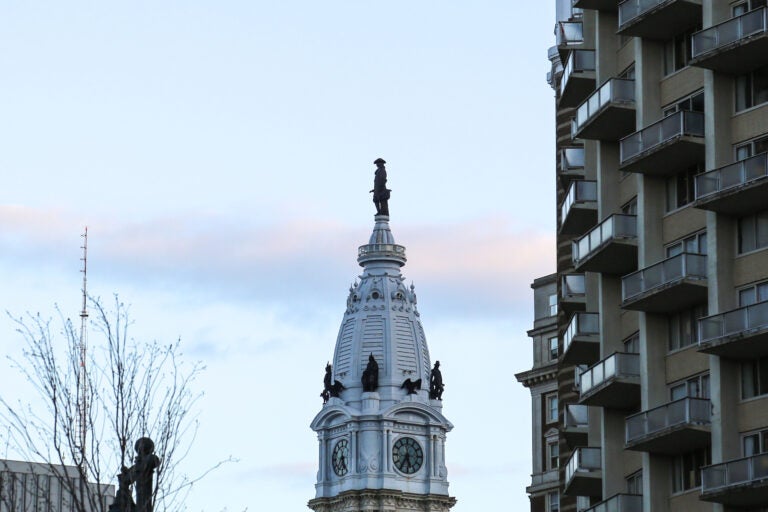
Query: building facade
<point x="662" y="254"/>
<point x="381" y="432"/>
<point x="36" y="487"/>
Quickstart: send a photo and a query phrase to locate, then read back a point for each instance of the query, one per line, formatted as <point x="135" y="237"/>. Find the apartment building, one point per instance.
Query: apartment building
<point x="662" y="256"/>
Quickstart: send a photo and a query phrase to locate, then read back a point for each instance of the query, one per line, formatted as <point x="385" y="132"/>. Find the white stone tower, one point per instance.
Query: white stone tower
<point x="381" y="450"/>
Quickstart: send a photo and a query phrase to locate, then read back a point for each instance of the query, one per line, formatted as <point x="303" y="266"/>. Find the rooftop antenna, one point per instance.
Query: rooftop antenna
<point x="82" y="401"/>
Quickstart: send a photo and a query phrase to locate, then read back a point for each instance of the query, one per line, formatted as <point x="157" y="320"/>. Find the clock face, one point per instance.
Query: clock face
<point x="340" y="458"/>
<point x="407" y="455"/>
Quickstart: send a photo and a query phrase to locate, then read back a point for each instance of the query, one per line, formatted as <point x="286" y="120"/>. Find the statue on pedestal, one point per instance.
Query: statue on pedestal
<point x="370" y="377"/>
<point x="380" y="190"/>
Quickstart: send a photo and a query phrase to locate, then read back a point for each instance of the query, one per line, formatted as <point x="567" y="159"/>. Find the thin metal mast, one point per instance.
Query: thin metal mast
<point x="82" y="405"/>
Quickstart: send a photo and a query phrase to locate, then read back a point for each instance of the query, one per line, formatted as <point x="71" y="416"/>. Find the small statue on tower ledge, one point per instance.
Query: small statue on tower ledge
<point x="436" y="385"/>
<point x="370" y="377"/>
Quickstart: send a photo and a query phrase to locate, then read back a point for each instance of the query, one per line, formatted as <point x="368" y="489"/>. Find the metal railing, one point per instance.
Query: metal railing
<point x="619" y="503"/>
<point x="685" y="411"/>
<point x="572" y="159"/>
<point x="615" y="227"/>
<point x="578" y="62"/>
<point x="729" y="31"/>
<point x="631" y="9"/>
<point x="736" y="321"/>
<point x="569" y="33"/>
<point x="734" y="472"/>
<point x="581" y="324"/>
<point x="583" y="460"/>
<point x="579" y="191"/>
<point x="732" y="176"/>
<point x="576" y="416"/>
<point x="577" y="371"/>
<point x="614" y="91"/>
<point x="683" y="265"/>
<point x="683" y="122"/>
<point x="617" y="365"/>
<point x="573" y="285"/>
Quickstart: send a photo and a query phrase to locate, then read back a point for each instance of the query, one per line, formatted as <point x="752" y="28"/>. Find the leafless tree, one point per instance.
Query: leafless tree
<point x="132" y="389"/>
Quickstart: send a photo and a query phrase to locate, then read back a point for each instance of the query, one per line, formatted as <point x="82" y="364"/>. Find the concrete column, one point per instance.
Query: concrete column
<point x="656" y="483"/>
<point x="613" y="452"/>
<point x="648" y="70"/>
<point x="607" y="43"/>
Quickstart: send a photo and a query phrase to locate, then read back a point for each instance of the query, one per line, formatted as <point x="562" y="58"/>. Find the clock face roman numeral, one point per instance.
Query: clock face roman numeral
<point x="340" y="458"/>
<point x="407" y="455"/>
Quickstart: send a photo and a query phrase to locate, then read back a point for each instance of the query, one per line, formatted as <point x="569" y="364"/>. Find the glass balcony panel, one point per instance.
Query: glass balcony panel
<point x="574" y="284"/>
<point x="728" y="32"/>
<point x="755" y="167"/>
<point x="576" y="415"/>
<point x="619" y="503"/>
<point x="569" y="33"/>
<point x="615" y="90"/>
<point x="572" y="158"/>
<point x="693" y="123"/>
<point x="610" y="368"/>
<point x="683" y="122"/>
<point x="757" y="315"/>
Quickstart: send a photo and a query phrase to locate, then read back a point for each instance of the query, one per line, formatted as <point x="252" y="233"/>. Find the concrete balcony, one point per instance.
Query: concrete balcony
<point x="571" y="163"/>
<point x="581" y="339"/>
<point x="568" y="34"/>
<point x="737" y="483"/>
<point x="613" y="383"/>
<point x="579" y="209"/>
<point x="674" y="428"/>
<point x="597" y="5"/>
<point x="543" y="481"/>
<point x="736" y="46"/>
<point x="737" y="189"/>
<point x="658" y="19"/>
<point x="666" y="147"/>
<point x="583" y="473"/>
<point x="578" y="78"/>
<point x="575" y="424"/>
<point x="608" y="113"/>
<point x="619" y="503"/>
<point x="739" y="334"/>
<point x="670" y="285"/>
<point x="610" y="247"/>
<point x="573" y="296"/>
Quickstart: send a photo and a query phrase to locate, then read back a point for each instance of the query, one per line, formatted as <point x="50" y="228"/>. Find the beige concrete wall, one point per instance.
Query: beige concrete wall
<point x="682" y="222"/>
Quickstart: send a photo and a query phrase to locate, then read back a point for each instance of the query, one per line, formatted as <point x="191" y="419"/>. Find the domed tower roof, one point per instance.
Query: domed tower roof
<point x="381" y="319"/>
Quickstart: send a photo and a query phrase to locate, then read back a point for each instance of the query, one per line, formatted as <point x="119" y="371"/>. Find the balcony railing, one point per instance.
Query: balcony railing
<point x="619" y="503"/>
<point x="577" y="371"/>
<point x="631" y="9"/>
<point x="736" y="322"/>
<point x="569" y="33"/>
<point x="616" y="91"/>
<point x="728" y="32"/>
<point x="686" y="411"/>
<point x="678" y="124"/>
<point x="576" y="416"/>
<point x="734" y="473"/>
<point x="578" y="62"/>
<point x="582" y="324"/>
<point x="578" y="192"/>
<point x="574" y="285"/>
<point x="583" y="460"/>
<point x="617" y="365"/>
<point x="682" y="266"/>
<point x="615" y="227"/>
<point x="732" y="176"/>
<point x="572" y="160"/>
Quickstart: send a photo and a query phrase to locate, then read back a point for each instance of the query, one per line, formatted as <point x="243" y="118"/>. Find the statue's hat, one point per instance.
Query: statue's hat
<point x="379" y="161"/>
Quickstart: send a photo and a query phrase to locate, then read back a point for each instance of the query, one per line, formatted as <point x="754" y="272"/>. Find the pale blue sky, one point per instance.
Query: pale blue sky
<point x="221" y="154"/>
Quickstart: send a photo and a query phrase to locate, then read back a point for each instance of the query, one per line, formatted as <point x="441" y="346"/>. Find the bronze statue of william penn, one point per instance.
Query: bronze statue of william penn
<point x="380" y="190"/>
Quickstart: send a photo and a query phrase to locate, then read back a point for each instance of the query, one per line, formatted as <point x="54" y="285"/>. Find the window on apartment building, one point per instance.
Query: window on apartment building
<point x="695" y="387"/>
<point x="632" y="344"/>
<point x="751" y="148"/>
<point x="753" y="294"/>
<point x="551" y="404"/>
<point x="635" y="483"/>
<point x="686" y="472"/>
<point x="754" y="378"/>
<point x="753" y="232"/>
<point x="553" y="502"/>
<point x="751" y="88"/>
<point x="553" y="305"/>
<point x="693" y="102"/>
<point x="680" y="187"/>
<point x="552" y="348"/>
<point x="753" y="443"/>
<point x="630" y="208"/>
<point x="684" y="327"/>
<point x="677" y="51"/>
<point x="553" y="454"/>
<point x="744" y="7"/>
<point x="695" y="243"/>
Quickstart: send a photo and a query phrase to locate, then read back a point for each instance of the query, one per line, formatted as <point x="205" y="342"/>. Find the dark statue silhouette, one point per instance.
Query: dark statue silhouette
<point x="330" y="389"/>
<point x="380" y="190"/>
<point x="436" y="385"/>
<point x="140" y="474"/>
<point x="370" y="377"/>
<point x="411" y="386"/>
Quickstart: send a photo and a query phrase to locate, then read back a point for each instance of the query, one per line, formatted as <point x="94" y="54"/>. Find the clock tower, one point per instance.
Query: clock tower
<point x="381" y="430"/>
